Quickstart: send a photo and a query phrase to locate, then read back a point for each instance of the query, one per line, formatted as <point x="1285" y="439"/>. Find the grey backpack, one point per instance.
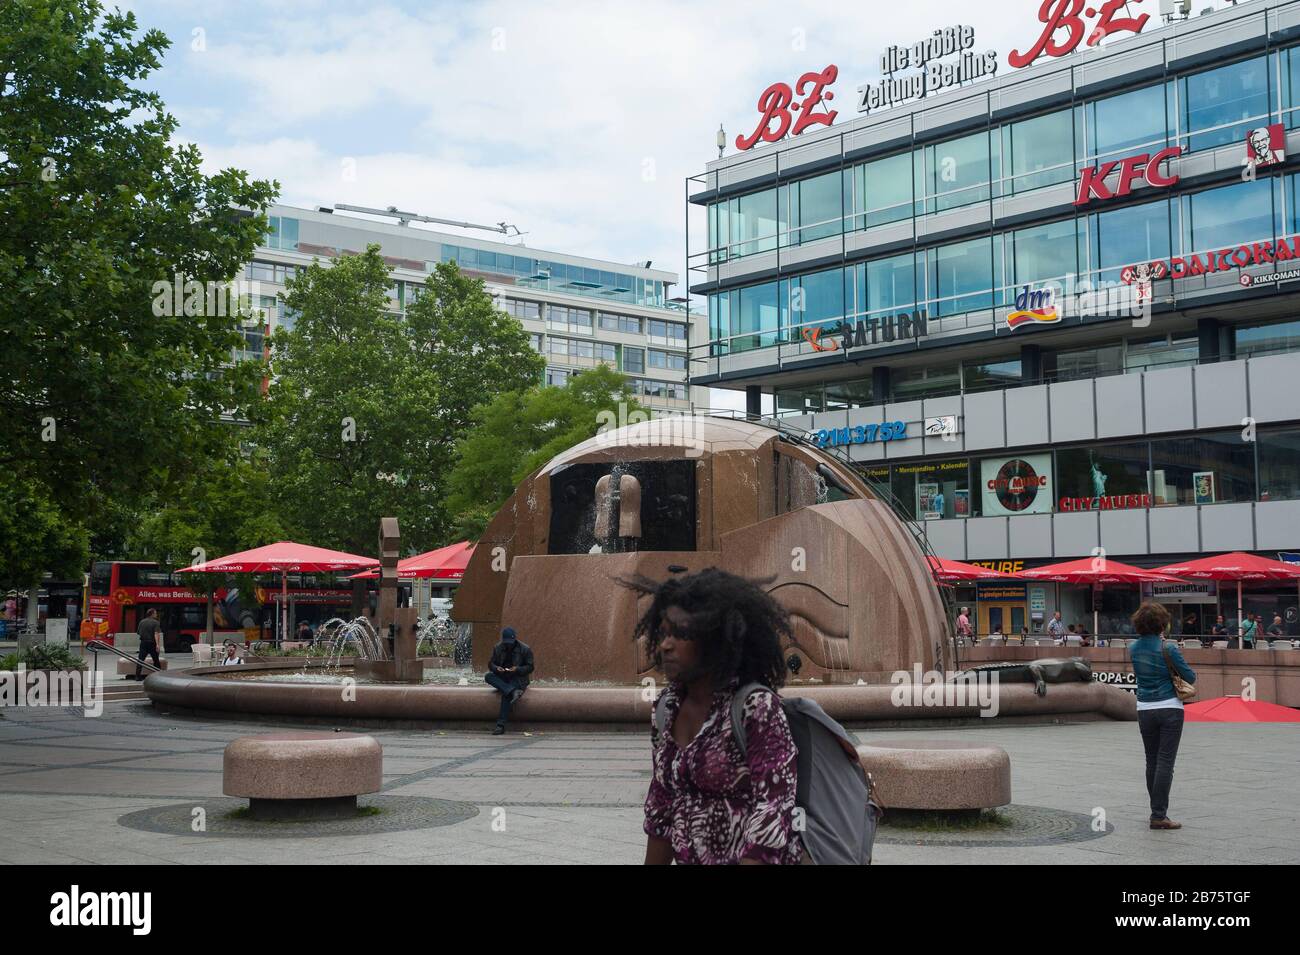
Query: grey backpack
<point x="833" y="791"/>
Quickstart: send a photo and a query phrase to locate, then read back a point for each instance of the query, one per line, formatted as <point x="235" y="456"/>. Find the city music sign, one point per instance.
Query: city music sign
<point x="1083" y="21"/>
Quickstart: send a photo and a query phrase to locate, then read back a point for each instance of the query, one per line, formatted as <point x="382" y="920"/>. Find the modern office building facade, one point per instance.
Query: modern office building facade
<point x="579" y="312"/>
<point x="1056" y="310"/>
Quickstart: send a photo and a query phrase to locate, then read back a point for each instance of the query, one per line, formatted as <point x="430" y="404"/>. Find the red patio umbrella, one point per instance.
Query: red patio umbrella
<point x="1095" y="570"/>
<point x="1238" y="566"/>
<point x="444" y="563"/>
<point x="282" y="556"/>
<point x="1233" y="709"/>
<point x="956" y="572"/>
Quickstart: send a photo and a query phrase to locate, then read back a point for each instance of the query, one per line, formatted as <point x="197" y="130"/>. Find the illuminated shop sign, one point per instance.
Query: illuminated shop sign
<point x="1266" y="146"/>
<point x="936" y="71"/>
<point x="1092" y="180"/>
<point x="1109" y="502"/>
<point x="1072" y="16"/>
<point x="779" y="104"/>
<point x="861" y="434"/>
<point x="1243" y="256"/>
<point x="1034" y="306"/>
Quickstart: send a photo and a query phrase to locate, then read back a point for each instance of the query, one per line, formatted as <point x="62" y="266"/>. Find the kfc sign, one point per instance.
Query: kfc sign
<point x="1058" y="15"/>
<point x="1266" y="146"/>
<point x="1092" y="181"/>
<point x="777" y="107"/>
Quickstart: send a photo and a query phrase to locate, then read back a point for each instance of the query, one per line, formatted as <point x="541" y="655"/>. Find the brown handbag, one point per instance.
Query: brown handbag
<point x="1184" y="690"/>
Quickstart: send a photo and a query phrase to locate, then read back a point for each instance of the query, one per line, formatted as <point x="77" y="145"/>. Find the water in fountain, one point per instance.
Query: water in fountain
<point x="337" y="633"/>
<point x="443" y="637"/>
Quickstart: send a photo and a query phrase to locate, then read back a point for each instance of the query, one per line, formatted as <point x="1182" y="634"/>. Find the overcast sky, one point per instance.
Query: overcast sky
<point x="578" y="122"/>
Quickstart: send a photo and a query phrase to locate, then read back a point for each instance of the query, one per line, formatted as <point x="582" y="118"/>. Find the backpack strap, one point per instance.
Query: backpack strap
<point x="738" y="713"/>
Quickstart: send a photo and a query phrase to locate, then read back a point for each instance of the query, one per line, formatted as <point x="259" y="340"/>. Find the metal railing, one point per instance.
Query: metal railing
<point x="94" y="646"/>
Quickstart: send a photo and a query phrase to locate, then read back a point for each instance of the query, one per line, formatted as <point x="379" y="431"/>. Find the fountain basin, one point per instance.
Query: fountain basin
<point x="213" y="691"/>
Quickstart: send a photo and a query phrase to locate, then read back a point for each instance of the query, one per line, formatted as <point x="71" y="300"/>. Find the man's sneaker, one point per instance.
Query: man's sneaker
<point x="499" y="729"/>
<point x="1165" y="824"/>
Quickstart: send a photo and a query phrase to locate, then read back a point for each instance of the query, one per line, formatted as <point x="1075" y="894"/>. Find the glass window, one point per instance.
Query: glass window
<point x="1279" y="465"/>
<point x="1040" y="151"/>
<point x="815" y="208"/>
<point x="603" y="351"/>
<point x="817" y="298"/>
<point x="985" y="375"/>
<point x="1203" y="470"/>
<point x="753" y="226"/>
<point x="882" y="191"/>
<point x="557" y="376"/>
<point x="1128" y="236"/>
<point x="804" y="400"/>
<point x="1264" y="339"/>
<point x="1291" y="86"/>
<point x="1128" y="124"/>
<point x="1086" y="363"/>
<point x="1102" y="477"/>
<point x="891" y="283"/>
<point x="1044" y="252"/>
<point x="758" y="312"/>
<point x="848" y="394"/>
<point x="664" y="359"/>
<point x="934" y="490"/>
<point x="908" y="384"/>
<point x="1161" y="351"/>
<point x="957" y="172"/>
<point x="1233" y="98"/>
<point x="620" y="323"/>
<point x="1228" y="216"/>
<point x="634" y="360"/>
<point x="962" y="276"/>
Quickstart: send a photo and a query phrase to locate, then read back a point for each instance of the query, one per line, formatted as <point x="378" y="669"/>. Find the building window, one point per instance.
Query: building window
<point x="815" y="208"/>
<point x="1202" y="470"/>
<point x="1221" y="105"/>
<point x="957" y="173"/>
<point x="559" y="377"/>
<point x="910" y="384"/>
<point x="880" y="191"/>
<point x="620" y="323"/>
<point x="1160" y="351"/>
<point x="1044" y="252"/>
<point x="633" y="360"/>
<point x="1127" y="124"/>
<point x="563" y="318"/>
<point x="1086" y="363"/>
<point x="745" y="225"/>
<point x="1279" y="465"/>
<point x="669" y="360"/>
<point x="670" y="330"/>
<point x="933" y="490"/>
<point x="848" y="394"/>
<point x="961" y="276"/>
<point x="283" y="233"/>
<point x="1125" y="237"/>
<point x="535" y="341"/>
<point x="1266" y="339"/>
<point x="522" y="309"/>
<point x="1228" y="216"/>
<point x="603" y="351"/>
<point x="816" y="299"/>
<point x="803" y="400"/>
<point x="890" y="284"/>
<point x="1103" y="477"/>
<point x="986" y="375"/>
<point x="1040" y="151"/>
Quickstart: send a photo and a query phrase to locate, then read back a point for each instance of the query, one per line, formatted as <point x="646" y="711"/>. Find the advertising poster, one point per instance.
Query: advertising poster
<point x="961" y="503"/>
<point x="1203" y="487"/>
<point x="927" y="506"/>
<point x="1016" y="485"/>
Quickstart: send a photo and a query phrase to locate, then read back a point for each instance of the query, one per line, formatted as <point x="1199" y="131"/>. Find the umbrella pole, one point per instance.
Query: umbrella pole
<point x="284" y="603"/>
<point x="209" y="618"/>
<point x="1241" y="641"/>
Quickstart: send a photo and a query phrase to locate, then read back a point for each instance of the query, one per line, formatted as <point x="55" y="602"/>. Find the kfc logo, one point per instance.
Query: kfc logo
<point x="1092" y="182"/>
<point x="1266" y="146"/>
<point x="1142" y="275"/>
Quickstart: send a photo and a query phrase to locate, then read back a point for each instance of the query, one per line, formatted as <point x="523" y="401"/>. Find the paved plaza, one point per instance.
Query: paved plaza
<point x="575" y="797"/>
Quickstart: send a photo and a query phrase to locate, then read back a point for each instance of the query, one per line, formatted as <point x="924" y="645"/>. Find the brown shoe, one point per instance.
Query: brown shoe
<point x="1165" y="824"/>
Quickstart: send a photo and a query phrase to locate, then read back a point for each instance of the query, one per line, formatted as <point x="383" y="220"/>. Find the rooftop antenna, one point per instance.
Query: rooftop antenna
<point x="722" y="140"/>
<point x="406" y="218"/>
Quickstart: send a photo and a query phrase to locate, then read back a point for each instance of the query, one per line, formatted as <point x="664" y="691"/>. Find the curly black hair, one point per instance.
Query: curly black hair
<point x="739" y="627"/>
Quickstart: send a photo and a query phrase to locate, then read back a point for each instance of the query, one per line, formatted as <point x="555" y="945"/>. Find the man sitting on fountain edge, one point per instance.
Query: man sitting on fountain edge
<point x="512" y="661"/>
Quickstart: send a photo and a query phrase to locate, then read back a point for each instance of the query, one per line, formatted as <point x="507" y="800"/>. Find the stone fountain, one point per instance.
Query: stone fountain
<point x="397" y="627"/>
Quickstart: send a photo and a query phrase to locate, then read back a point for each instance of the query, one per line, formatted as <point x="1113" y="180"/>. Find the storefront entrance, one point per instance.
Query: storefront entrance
<point x="1002" y="608"/>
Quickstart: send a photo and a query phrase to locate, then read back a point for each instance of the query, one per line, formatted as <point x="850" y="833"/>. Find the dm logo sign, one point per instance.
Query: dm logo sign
<point x="1034" y="306"/>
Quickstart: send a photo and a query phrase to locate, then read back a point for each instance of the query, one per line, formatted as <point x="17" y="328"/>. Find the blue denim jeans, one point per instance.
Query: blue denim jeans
<point x="1161" y="732"/>
<point x="505" y="688"/>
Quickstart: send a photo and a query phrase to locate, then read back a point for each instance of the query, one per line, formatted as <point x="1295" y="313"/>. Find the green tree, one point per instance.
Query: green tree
<point x="365" y="405"/>
<point x="34" y="537"/>
<point x="518" y="432"/>
<point x="108" y="390"/>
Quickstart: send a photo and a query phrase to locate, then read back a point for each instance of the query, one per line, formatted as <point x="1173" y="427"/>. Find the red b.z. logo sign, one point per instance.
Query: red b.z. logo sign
<point x="778" y="107"/>
<point x="1064" y="15"/>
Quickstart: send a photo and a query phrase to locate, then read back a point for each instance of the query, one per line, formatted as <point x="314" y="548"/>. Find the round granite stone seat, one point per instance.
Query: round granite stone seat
<point x="302" y="775"/>
<point x="938" y="774"/>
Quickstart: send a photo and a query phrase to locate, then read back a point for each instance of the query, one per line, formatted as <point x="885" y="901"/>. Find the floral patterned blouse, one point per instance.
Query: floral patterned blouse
<point x="715" y="807"/>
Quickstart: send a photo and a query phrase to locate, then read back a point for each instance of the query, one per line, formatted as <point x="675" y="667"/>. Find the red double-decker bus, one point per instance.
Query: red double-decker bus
<point x="121" y="592"/>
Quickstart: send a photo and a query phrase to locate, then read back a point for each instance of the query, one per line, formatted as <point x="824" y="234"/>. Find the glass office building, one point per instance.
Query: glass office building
<point x="579" y="312"/>
<point x="1054" y="311"/>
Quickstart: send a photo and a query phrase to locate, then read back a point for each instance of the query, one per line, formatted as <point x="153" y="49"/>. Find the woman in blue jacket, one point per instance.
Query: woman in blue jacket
<point x="1160" y="711"/>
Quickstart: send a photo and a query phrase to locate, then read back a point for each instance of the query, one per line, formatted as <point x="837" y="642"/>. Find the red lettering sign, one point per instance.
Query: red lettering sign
<point x="1092" y="181"/>
<point x="777" y="106"/>
<point x="1058" y="15"/>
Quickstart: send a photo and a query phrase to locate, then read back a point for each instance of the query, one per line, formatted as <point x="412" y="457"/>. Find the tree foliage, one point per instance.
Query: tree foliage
<point x="106" y="399"/>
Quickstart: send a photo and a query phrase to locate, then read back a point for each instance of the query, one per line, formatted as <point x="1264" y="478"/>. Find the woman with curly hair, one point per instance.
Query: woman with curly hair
<point x="712" y="801"/>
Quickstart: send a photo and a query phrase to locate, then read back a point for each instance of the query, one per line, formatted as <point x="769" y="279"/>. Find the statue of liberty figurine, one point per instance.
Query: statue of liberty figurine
<point x="1098" y="479"/>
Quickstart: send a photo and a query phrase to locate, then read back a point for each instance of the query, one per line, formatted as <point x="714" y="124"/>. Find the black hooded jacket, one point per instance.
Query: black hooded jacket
<point x="513" y="653"/>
